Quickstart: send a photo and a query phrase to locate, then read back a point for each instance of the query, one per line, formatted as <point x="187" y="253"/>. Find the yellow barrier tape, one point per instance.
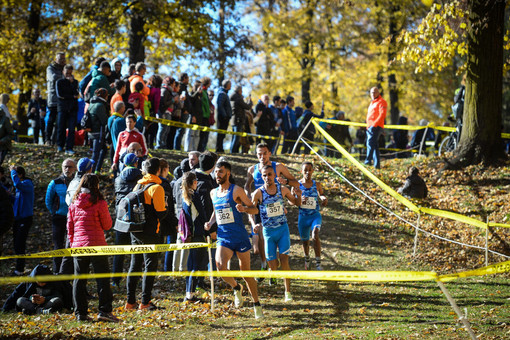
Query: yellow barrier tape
<point x="111" y="250"/>
<point x="347" y="276"/>
<point x="360" y="166"/>
<point x="498" y="268"/>
<point x="454" y="216"/>
<point x="501" y="225"/>
<point x="391" y="127"/>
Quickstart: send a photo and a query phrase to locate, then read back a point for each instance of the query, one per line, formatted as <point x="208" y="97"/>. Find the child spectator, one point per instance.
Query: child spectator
<point x="415" y="186"/>
<point x="137" y="95"/>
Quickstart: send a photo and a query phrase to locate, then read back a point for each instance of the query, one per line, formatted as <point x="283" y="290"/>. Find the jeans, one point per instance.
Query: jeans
<point x="169" y="255"/>
<point x="149" y="260"/>
<point x="51" y="122"/>
<point x="82" y="266"/>
<point x="179" y="132"/>
<point x="236" y="140"/>
<point x="192" y="139"/>
<point x="197" y="260"/>
<point x="66" y="120"/>
<point x="59" y="225"/>
<point x="99" y="149"/>
<point x="162" y="134"/>
<point x="373" y="134"/>
<point x="28" y="307"/>
<point x="222" y="125"/>
<point x="204" y="136"/>
<point x="20" y="231"/>
<point x="118" y="260"/>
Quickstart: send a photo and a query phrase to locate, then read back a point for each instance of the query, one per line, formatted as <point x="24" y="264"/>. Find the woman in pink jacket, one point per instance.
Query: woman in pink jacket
<point x="87" y="219"/>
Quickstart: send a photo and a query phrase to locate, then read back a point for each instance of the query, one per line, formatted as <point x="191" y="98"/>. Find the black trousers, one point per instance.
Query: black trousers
<point x="149" y="261"/>
<point x="82" y="266"/>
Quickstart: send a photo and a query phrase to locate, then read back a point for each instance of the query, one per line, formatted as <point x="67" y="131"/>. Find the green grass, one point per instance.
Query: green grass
<point x="356" y="235"/>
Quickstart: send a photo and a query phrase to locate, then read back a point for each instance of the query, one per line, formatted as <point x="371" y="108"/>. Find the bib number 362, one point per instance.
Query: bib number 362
<point x="225" y="216"/>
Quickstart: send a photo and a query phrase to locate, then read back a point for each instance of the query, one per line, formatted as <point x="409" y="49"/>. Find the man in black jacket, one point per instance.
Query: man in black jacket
<point x="239" y="106"/>
<point x="36" y="113"/>
<point x="266" y="121"/>
<point x="67" y="104"/>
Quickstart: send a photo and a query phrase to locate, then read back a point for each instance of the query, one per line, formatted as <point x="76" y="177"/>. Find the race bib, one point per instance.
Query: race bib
<point x="225" y="216"/>
<point x="274" y="209"/>
<point x="309" y="203"/>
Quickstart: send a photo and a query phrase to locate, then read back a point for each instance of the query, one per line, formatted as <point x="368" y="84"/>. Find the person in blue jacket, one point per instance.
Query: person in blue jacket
<point x="56" y="204"/>
<point x="23" y="213"/>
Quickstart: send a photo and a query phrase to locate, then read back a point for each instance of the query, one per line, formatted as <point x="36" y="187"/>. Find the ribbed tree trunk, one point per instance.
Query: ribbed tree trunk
<point x="481" y="132"/>
<point x="30" y="70"/>
<point x="137" y="36"/>
<point x="222" y="56"/>
<point x="392" y="78"/>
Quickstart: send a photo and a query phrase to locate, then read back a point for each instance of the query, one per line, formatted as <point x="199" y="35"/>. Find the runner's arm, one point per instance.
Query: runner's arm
<point x="241" y="198"/>
<point x="294" y="196"/>
<point x="283" y="170"/>
<point x="211" y="222"/>
<point x="320" y="190"/>
<point x="249" y="181"/>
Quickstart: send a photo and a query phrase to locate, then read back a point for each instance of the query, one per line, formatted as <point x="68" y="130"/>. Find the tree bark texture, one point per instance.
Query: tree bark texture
<point x="480" y="140"/>
<point x="392" y="78"/>
<point x="137" y="36"/>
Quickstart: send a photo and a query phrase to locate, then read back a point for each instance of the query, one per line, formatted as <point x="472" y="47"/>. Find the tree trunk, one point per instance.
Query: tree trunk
<point x="30" y="69"/>
<point x="392" y="78"/>
<point x="137" y="36"/>
<point x="480" y="140"/>
<point x="307" y="61"/>
<point x="222" y="57"/>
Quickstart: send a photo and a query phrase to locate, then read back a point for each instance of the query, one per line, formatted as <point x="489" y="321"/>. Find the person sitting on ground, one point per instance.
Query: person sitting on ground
<point x="39" y="297"/>
<point x="415" y="186"/>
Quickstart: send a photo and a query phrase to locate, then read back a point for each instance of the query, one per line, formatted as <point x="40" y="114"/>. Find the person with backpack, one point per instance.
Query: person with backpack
<point x="88" y="218"/>
<point x="98" y="113"/>
<point x="154" y="211"/>
<point x="124" y="184"/>
<point x="23" y="213"/>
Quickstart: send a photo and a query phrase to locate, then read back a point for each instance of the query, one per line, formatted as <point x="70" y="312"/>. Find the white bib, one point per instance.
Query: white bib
<point x="274" y="209"/>
<point x="225" y="216"/>
<point x="309" y="203"/>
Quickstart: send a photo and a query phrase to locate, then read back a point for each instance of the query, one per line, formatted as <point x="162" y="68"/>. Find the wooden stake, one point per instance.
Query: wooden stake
<point x="462" y="318"/>
<point x="211" y="271"/>
<point x="416" y="235"/>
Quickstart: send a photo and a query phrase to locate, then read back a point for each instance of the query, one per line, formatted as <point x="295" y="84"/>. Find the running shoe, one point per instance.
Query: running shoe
<point x="258" y="312"/>
<point x="288" y="297"/>
<point x="238" y="297"/>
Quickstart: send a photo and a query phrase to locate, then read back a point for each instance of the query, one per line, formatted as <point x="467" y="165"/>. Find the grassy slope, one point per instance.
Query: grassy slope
<point x="356" y="235"/>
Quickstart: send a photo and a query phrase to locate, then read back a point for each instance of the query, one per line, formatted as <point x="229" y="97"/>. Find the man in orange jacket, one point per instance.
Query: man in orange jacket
<point x="141" y="68"/>
<point x="375" y="124"/>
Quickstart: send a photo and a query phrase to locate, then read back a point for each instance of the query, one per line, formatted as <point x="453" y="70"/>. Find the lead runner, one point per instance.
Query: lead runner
<point x="228" y="200"/>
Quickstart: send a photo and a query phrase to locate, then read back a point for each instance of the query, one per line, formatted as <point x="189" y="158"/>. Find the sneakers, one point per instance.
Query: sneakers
<point x="83" y="318"/>
<point x="108" y="317"/>
<point x="288" y="297"/>
<point x="238" y="297"/>
<point x="318" y="266"/>
<point x="261" y="279"/>
<point x="60" y="149"/>
<point x="192" y="299"/>
<point x="258" y="312"/>
<point x="149" y="306"/>
<point x="70" y="152"/>
<point x="307" y="263"/>
<point x="130" y="306"/>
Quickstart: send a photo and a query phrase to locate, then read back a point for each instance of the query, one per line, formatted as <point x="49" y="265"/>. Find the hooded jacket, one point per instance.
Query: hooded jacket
<point x="415" y="187"/>
<point x="125" y="182"/>
<point x="56" y="195"/>
<point x="52" y="289"/>
<point x="155" y="209"/>
<point x="98" y="114"/>
<point x="86" y="222"/>
<point x="99" y="80"/>
<point x="24" y="197"/>
<point x="223" y="105"/>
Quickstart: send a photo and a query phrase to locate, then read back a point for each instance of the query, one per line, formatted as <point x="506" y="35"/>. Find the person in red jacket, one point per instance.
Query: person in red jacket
<point x="126" y="137"/>
<point x="375" y="124"/>
<point x="88" y="218"/>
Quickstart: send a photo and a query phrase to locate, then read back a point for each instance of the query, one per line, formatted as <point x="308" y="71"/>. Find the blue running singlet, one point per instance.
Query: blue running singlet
<point x="257" y="175"/>
<point x="271" y="209"/>
<point x="310" y="199"/>
<point x="230" y="221"/>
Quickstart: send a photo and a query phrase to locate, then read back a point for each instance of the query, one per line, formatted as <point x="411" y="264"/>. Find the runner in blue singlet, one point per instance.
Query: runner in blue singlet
<point x="310" y="219"/>
<point x="254" y="176"/>
<point x="275" y="229"/>
<point x="230" y="201"/>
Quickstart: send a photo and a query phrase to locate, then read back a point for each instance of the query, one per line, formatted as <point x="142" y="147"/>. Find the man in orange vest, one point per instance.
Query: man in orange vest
<point x="375" y="124"/>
